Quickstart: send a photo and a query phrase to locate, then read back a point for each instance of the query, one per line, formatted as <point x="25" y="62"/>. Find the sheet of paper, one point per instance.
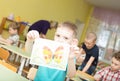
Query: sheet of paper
<point x="50" y="54"/>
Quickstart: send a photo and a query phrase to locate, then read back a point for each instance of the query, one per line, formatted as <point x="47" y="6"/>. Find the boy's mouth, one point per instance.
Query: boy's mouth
<point x="114" y="70"/>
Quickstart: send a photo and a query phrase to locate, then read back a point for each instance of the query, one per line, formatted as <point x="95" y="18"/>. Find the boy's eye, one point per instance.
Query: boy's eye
<point x="58" y="35"/>
<point x="114" y="63"/>
<point x="65" y="38"/>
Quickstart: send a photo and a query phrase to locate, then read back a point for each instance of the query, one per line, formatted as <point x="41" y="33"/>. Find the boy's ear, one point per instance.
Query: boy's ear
<point x="75" y="42"/>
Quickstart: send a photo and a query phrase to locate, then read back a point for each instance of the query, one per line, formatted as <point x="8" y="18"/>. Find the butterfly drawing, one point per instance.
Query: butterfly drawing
<point x="56" y="55"/>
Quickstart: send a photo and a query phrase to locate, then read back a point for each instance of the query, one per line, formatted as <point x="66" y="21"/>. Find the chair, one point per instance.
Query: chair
<point x="4" y="54"/>
<point x="20" y="45"/>
<point x="8" y="66"/>
<point x="31" y="74"/>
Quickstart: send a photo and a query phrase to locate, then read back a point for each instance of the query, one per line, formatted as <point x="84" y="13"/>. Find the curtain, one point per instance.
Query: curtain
<point x="106" y="24"/>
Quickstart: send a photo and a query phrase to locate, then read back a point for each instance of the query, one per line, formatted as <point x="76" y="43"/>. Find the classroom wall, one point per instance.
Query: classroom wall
<point x="86" y="25"/>
<point x="33" y="10"/>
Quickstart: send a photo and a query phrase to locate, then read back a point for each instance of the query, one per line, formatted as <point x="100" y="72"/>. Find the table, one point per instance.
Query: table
<point x="81" y="75"/>
<point x="8" y="75"/>
<point x="3" y="43"/>
<point x="19" y="52"/>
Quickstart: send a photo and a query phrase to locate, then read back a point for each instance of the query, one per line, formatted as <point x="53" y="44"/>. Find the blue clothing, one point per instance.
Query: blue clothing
<point x="90" y="70"/>
<point x="94" y="52"/>
<point x="41" y="26"/>
<point x="49" y="74"/>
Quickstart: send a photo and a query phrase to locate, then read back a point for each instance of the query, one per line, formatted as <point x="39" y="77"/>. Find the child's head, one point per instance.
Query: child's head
<point x="115" y="65"/>
<point x="90" y="40"/>
<point x="66" y="33"/>
<point x="13" y="28"/>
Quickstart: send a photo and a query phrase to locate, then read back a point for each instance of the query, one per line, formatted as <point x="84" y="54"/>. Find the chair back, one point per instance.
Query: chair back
<point x="32" y="73"/>
<point x="4" y="54"/>
<point x="8" y="66"/>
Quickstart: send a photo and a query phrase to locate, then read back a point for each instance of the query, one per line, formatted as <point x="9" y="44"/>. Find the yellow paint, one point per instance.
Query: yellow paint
<point x="33" y="10"/>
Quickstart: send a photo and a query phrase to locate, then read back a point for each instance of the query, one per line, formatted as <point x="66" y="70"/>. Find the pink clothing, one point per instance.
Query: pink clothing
<point x="106" y="74"/>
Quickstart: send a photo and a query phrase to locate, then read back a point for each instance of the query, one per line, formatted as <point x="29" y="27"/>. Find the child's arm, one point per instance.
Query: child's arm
<point x="71" y="61"/>
<point x="89" y="63"/>
<point x="71" y="68"/>
<point x="97" y="78"/>
<point x="6" y="41"/>
<point x="99" y="74"/>
<point x="31" y="36"/>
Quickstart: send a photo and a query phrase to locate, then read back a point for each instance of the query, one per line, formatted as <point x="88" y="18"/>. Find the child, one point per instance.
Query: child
<point x="65" y="33"/>
<point x="111" y="73"/>
<point x="92" y="53"/>
<point x="14" y="37"/>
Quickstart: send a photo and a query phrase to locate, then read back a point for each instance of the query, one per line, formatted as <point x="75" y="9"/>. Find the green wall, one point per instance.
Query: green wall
<point x="33" y="10"/>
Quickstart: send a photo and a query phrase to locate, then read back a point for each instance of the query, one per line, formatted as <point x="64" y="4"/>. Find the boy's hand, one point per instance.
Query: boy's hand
<point x="1" y="38"/>
<point x="74" y="52"/>
<point x="97" y="78"/>
<point x="32" y="35"/>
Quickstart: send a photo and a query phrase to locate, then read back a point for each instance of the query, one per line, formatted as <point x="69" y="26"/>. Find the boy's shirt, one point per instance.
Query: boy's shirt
<point x="91" y="52"/>
<point x="14" y="38"/>
<point x="106" y="74"/>
<point x="48" y="74"/>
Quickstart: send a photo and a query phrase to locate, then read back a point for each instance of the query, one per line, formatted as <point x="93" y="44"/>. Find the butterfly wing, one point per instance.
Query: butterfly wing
<point x="58" y="54"/>
<point x="47" y="53"/>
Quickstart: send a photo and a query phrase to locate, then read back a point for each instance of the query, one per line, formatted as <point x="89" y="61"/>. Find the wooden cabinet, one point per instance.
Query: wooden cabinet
<point x="5" y="20"/>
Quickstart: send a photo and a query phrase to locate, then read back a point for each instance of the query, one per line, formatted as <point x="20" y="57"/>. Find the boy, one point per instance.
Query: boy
<point x="111" y="73"/>
<point x="92" y="53"/>
<point x="65" y="33"/>
<point x="14" y="37"/>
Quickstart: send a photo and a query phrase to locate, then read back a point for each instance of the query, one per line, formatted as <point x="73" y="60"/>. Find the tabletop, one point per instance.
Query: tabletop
<point x="3" y="43"/>
<point x="80" y="76"/>
<point x="16" y="50"/>
<point x="20" y="52"/>
<point x="8" y="75"/>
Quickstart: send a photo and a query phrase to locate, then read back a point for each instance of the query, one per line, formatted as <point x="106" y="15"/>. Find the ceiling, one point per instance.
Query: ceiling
<point x="111" y="4"/>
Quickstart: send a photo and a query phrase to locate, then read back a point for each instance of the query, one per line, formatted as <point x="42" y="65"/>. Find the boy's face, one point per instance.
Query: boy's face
<point x="64" y="35"/>
<point x="115" y="65"/>
<point x="89" y="43"/>
<point x="12" y="31"/>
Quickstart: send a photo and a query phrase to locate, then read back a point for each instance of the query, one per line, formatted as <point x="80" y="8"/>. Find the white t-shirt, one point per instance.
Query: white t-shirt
<point x="14" y="38"/>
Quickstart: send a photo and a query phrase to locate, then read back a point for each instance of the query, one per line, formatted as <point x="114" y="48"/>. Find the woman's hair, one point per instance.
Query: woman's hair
<point x="117" y="56"/>
<point x="13" y="25"/>
<point x="54" y="24"/>
<point x="70" y="25"/>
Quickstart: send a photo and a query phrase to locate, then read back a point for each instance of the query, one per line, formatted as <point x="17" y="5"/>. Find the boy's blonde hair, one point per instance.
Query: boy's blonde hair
<point x="69" y="25"/>
<point x="91" y="36"/>
<point x="117" y="56"/>
<point x="13" y="25"/>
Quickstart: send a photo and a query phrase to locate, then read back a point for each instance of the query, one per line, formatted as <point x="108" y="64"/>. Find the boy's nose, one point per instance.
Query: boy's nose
<point x="87" y="45"/>
<point x="60" y="40"/>
<point x="112" y="65"/>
